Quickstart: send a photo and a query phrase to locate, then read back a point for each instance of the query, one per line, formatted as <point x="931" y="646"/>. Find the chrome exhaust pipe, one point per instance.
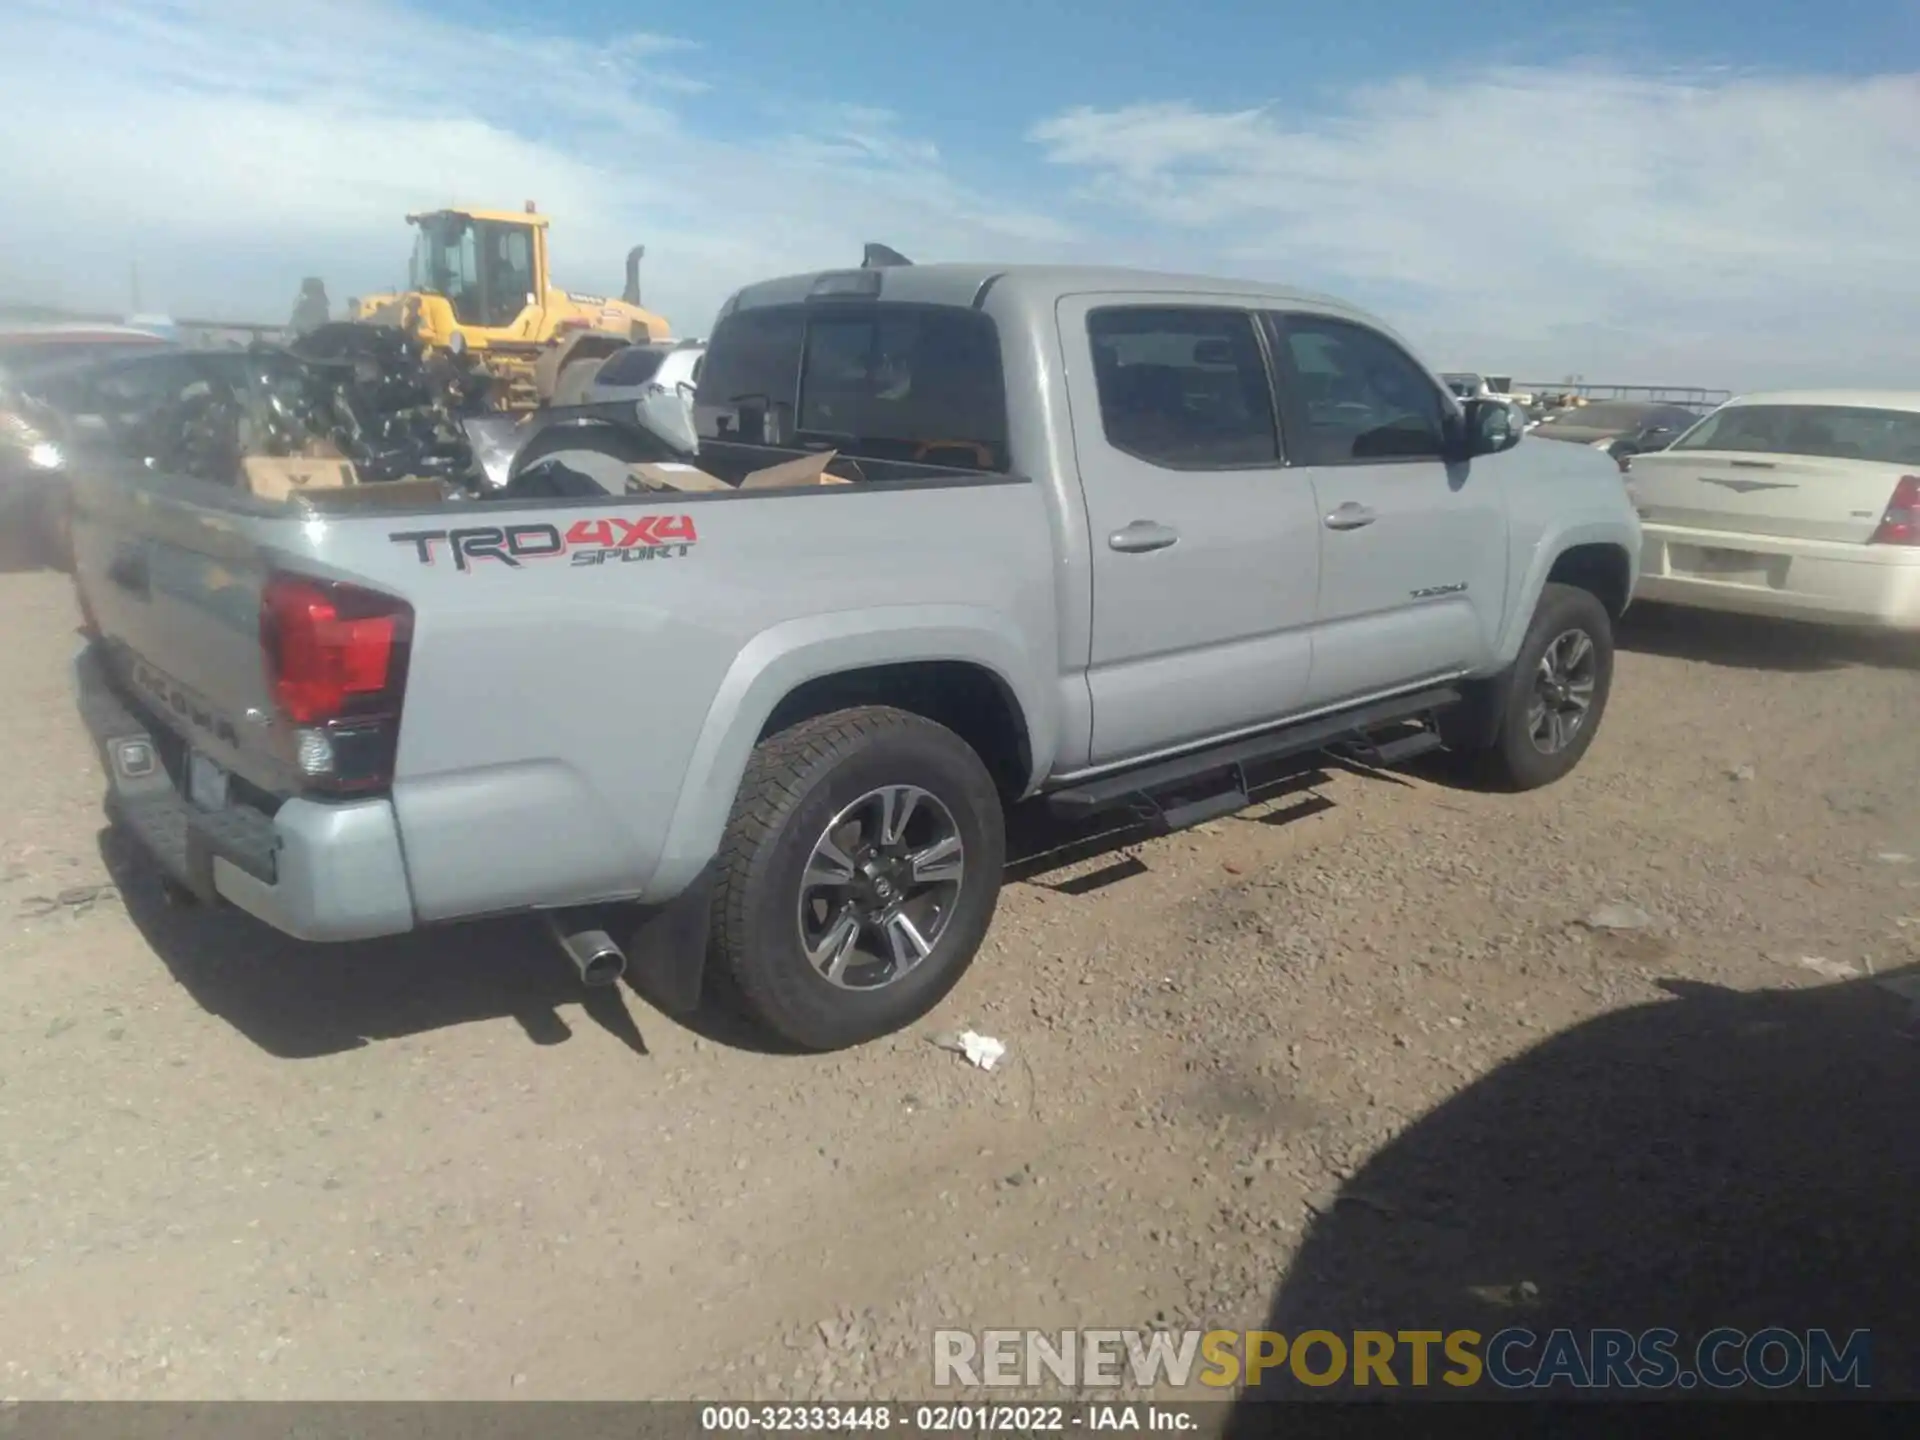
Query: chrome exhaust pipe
<point x="593" y="953"/>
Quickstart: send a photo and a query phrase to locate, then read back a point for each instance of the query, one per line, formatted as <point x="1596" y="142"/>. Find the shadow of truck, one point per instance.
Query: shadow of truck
<point x="300" y="1001"/>
<point x="1720" y="1158"/>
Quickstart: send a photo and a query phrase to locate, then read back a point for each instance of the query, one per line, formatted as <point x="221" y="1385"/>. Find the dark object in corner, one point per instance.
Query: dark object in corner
<point x="552" y="481"/>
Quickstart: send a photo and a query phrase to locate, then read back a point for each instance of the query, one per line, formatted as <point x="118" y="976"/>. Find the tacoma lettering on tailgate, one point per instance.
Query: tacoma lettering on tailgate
<point x="611" y="539"/>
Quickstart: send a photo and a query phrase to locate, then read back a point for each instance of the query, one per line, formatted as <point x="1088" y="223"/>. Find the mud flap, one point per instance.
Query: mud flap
<point x="1474" y="724"/>
<point x="667" y="949"/>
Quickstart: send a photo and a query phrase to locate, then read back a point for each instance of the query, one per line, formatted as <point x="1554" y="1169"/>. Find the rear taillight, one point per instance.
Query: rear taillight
<point x="1900" y="525"/>
<point x="337" y="660"/>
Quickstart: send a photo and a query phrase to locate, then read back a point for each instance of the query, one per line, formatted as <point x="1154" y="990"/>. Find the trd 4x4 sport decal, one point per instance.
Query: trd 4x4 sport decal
<point x="613" y="540"/>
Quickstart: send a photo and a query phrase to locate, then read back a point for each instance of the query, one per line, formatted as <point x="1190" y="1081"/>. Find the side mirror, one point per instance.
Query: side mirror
<point x="1492" y="425"/>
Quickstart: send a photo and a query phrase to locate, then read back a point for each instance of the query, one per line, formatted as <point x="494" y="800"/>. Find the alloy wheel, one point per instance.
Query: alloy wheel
<point x="880" y="887"/>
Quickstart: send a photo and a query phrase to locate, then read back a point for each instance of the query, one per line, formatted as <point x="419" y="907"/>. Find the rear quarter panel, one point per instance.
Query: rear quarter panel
<point x="576" y="729"/>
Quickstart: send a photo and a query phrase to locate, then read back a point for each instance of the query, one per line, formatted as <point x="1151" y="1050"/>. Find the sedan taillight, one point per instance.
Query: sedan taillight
<point x="1900" y="525"/>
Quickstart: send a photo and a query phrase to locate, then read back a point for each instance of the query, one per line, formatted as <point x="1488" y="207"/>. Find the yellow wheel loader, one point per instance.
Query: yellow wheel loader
<point x="479" y="285"/>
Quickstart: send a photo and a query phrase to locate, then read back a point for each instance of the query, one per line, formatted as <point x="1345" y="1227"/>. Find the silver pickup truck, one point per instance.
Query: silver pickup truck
<point x="1115" y="538"/>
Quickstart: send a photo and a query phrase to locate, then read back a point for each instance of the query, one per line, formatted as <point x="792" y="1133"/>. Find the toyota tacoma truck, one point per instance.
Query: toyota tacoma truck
<point x="1113" y="539"/>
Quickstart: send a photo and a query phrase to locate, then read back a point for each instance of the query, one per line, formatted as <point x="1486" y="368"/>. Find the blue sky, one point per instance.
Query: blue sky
<point x="1680" y="194"/>
<point x="996" y="63"/>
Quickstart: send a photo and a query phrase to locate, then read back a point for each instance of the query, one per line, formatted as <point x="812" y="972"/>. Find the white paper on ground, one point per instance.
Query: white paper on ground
<point x="982" y="1050"/>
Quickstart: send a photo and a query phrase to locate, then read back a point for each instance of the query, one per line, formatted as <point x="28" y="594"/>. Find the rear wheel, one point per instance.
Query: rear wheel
<point x="859" y="874"/>
<point x="1561" y="679"/>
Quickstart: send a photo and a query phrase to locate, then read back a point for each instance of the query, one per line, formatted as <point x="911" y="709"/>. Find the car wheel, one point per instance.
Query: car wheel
<point x="1558" y="691"/>
<point x="860" y="870"/>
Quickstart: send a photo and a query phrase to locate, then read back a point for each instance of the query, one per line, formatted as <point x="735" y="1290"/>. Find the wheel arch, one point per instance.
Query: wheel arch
<point x="1592" y="556"/>
<point x="969" y="698"/>
<point x="959" y="666"/>
<point x="1605" y="570"/>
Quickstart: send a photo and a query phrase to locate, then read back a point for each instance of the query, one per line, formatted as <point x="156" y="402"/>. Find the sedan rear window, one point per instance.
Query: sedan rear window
<point x="1604" y="417"/>
<point x="25" y="359"/>
<point x="1832" y="432"/>
<point x="635" y="365"/>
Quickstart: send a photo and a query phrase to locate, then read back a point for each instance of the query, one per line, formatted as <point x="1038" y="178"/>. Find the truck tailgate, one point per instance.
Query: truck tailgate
<point x="174" y="591"/>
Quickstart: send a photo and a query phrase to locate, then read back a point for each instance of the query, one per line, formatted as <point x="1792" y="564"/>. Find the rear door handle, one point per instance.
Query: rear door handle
<point x="1350" y="516"/>
<point x="1142" y="536"/>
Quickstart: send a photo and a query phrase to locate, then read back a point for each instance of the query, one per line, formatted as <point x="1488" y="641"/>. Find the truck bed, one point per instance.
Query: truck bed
<point x="565" y="655"/>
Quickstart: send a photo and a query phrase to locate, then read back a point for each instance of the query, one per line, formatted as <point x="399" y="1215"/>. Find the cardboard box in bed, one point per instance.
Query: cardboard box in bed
<point x="803" y="470"/>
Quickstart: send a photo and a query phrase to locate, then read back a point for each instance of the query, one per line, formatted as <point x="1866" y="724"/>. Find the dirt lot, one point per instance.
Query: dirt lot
<point x="234" y="1166"/>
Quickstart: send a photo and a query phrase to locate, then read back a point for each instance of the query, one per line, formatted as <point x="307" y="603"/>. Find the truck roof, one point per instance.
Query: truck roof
<point x="509" y="217"/>
<point x="965" y="284"/>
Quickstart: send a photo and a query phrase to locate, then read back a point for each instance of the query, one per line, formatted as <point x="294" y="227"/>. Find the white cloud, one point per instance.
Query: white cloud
<point x="1707" y="228"/>
<point x="1712" y="228"/>
<point x="231" y="149"/>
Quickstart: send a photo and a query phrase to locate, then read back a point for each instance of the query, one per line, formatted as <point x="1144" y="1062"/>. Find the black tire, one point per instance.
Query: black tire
<point x="796" y="782"/>
<point x="1516" y="760"/>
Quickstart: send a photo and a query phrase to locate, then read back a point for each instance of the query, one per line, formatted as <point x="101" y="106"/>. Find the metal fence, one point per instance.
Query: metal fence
<point x="213" y="334"/>
<point x="1696" y="397"/>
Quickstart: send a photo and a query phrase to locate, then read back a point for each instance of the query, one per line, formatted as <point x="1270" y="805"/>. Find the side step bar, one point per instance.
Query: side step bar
<point x="1364" y="751"/>
<point x="1346" y="730"/>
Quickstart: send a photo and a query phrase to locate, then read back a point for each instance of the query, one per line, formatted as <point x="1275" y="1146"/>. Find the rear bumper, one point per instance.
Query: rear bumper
<point x="1876" y="586"/>
<point x="315" y="871"/>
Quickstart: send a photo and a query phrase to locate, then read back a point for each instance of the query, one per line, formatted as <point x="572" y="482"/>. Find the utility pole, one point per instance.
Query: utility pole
<point x="133" y="274"/>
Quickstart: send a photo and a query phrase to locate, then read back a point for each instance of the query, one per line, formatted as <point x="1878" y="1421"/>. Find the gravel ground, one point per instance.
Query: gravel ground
<point x="1353" y="1056"/>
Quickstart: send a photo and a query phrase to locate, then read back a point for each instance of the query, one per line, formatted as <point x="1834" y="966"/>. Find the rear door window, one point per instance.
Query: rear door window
<point x="1830" y="432"/>
<point x="1184" y="387"/>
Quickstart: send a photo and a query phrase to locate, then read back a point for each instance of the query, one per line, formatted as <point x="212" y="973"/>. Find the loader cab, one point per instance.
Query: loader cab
<point x="490" y="268"/>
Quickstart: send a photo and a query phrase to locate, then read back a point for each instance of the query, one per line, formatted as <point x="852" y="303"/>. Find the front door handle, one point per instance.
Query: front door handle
<point x="1350" y="516"/>
<point x="1142" y="536"/>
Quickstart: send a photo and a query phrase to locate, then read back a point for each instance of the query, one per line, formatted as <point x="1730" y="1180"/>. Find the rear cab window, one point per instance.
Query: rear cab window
<point x="1828" y="432"/>
<point x="883" y="380"/>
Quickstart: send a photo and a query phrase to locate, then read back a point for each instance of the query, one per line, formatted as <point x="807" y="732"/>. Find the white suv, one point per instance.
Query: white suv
<point x="642" y="370"/>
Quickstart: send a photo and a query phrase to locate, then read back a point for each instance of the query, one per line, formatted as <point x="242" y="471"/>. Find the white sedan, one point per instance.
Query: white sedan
<point x="1800" y="504"/>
